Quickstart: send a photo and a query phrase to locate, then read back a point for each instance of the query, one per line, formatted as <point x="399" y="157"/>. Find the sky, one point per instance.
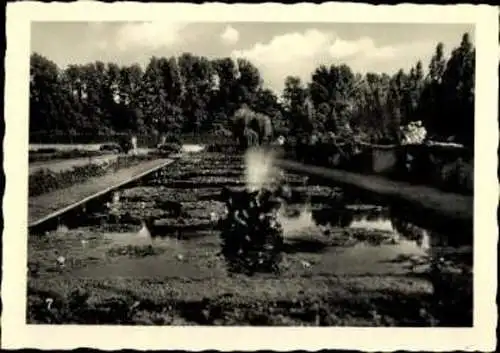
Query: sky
<point x="276" y="49"/>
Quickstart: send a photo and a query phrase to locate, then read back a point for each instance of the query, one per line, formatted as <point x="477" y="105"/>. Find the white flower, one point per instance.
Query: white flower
<point x="414" y="133"/>
<point x="61" y="261"/>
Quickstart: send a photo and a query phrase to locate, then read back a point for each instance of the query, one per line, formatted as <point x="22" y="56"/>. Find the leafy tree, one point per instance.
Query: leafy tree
<point x="47" y="96"/>
<point x="331" y="88"/>
<point x="193" y="94"/>
<point x="432" y="94"/>
<point x="224" y="101"/>
<point x="458" y="87"/>
<point x="398" y="92"/>
<point x="248" y="82"/>
<point x="294" y="96"/>
<point x="153" y="97"/>
<point x="198" y="82"/>
<point x="267" y="103"/>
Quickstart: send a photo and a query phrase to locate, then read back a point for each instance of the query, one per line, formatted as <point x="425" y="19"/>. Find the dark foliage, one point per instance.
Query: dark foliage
<point x="45" y="180"/>
<point x="252" y="238"/>
<point x="194" y="95"/>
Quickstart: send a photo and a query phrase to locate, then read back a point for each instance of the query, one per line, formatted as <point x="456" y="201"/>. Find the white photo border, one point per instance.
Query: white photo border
<point x="17" y="334"/>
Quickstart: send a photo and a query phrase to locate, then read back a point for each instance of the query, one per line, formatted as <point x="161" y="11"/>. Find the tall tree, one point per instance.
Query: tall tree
<point x="249" y="82"/>
<point x="48" y="96"/>
<point x="295" y="95"/>
<point x="332" y="88"/>
<point x="198" y="77"/>
<point x="458" y="87"/>
<point x="224" y="100"/>
<point x="195" y="94"/>
<point x="432" y="94"/>
<point x="267" y="103"/>
<point x="153" y="98"/>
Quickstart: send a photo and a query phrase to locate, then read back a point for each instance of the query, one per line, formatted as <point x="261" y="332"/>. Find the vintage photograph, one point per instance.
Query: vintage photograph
<point x="254" y="172"/>
<point x="251" y="174"/>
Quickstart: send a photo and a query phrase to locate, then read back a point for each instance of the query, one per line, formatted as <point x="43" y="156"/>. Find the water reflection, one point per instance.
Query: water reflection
<point x="378" y="219"/>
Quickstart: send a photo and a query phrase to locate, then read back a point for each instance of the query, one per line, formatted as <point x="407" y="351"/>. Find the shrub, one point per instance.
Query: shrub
<point x="252" y="238"/>
<point x="45" y="180"/>
<point x="112" y="147"/>
<point x="37" y="156"/>
<point x="223" y="132"/>
<point x="223" y="147"/>
<point x="413" y="133"/>
<point x="125" y="144"/>
<point x="457" y="176"/>
<point x="171" y="138"/>
<point x="169" y="147"/>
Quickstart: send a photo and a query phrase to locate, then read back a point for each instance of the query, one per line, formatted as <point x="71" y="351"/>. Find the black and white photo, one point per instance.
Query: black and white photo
<point x="254" y="172"/>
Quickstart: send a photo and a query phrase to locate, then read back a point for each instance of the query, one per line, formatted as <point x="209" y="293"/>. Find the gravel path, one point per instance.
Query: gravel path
<point x="44" y="205"/>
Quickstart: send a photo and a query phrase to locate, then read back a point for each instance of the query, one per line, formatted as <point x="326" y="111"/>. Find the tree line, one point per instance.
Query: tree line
<point x="195" y="94"/>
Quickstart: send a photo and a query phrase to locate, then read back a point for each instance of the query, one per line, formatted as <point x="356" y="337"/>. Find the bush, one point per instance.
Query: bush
<point x="45" y="180"/>
<point x="170" y="147"/>
<point x="457" y="176"/>
<point x="223" y="147"/>
<point x="223" y="132"/>
<point x="252" y="238"/>
<point x="171" y="138"/>
<point x="125" y="144"/>
<point x="449" y="172"/>
<point x="112" y="147"/>
<point x="413" y="133"/>
<point x="38" y="156"/>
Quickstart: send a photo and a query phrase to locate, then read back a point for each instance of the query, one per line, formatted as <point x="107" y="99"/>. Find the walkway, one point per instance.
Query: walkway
<point x="43" y="207"/>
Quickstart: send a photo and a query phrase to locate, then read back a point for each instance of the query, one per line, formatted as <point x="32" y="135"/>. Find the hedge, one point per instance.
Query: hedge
<point x="45" y="180"/>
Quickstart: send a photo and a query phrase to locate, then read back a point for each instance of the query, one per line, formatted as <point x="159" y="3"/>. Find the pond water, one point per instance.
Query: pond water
<point x="339" y="237"/>
<point x="351" y="241"/>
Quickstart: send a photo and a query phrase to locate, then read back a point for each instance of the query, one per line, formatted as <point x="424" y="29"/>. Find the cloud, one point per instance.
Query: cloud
<point x="363" y="46"/>
<point x="299" y="53"/>
<point x="286" y="48"/>
<point x="151" y="35"/>
<point x="230" y="36"/>
<point x="288" y="54"/>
